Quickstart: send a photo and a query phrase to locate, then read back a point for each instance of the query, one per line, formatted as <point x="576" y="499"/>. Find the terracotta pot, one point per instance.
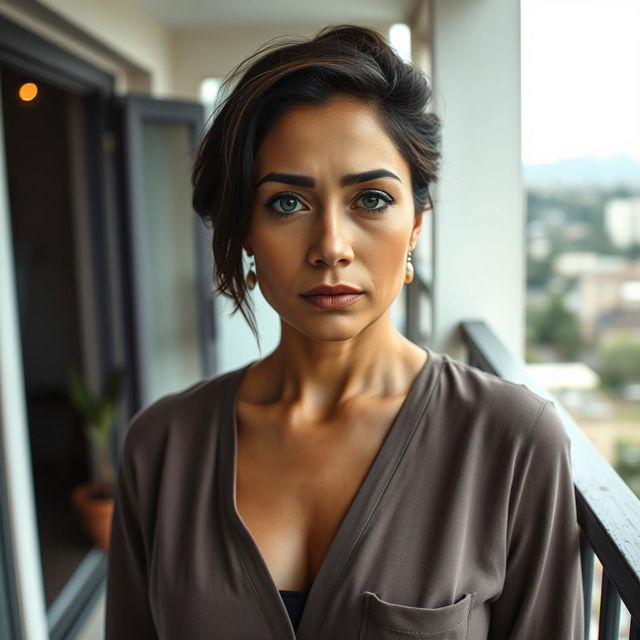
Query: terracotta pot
<point x="95" y="513"/>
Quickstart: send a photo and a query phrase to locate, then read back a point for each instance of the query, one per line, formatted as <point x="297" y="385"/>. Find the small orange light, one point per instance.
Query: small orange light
<point x="28" y="91"/>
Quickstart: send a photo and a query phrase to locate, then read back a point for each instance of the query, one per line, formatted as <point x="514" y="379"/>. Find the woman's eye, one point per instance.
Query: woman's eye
<point x="282" y="205"/>
<point x="371" y="200"/>
<point x="286" y="204"/>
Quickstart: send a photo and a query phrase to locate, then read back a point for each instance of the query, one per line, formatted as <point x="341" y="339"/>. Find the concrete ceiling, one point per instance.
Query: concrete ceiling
<point x="243" y="13"/>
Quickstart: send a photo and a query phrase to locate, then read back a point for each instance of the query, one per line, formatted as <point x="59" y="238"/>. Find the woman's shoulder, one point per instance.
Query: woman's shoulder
<point x="185" y="413"/>
<point x="504" y="411"/>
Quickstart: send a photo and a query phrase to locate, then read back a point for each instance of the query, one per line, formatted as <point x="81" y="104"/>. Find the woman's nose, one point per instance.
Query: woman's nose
<point x="331" y="242"/>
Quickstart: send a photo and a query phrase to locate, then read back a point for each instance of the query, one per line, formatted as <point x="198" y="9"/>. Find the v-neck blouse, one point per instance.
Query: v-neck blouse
<point x="463" y="528"/>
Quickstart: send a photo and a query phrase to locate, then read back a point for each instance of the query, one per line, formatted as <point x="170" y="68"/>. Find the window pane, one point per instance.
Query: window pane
<point x="169" y="260"/>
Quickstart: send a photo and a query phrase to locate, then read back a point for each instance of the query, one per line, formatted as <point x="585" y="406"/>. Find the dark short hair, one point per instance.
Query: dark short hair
<point x="339" y="60"/>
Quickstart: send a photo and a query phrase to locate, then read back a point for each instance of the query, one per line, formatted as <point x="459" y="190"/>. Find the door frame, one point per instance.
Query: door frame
<point x="27" y="52"/>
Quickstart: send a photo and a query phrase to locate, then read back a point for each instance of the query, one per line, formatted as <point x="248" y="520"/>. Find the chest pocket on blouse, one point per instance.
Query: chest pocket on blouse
<point x="383" y="620"/>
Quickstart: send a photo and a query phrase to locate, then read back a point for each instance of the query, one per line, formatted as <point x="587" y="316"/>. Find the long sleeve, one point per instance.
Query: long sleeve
<point x="542" y="593"/>
<point x="128" y="614"/>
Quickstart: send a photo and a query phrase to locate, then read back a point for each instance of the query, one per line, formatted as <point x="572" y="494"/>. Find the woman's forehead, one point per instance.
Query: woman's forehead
<point x="338" y="114"/>
<point x="345" y="133"/>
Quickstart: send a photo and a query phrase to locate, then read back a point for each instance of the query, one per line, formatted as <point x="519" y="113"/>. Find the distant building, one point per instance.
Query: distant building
<point x="606" y="294"/>
<point x="622" y="221"/>
<point x="617" y="324"/>
<point x="573" y="264"/>
<point x="539" y="248"/>
<point x="576" y="231"/>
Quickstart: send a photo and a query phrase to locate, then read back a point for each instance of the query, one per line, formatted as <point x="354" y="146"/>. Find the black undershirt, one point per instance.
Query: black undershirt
<point x="294" y="601"/>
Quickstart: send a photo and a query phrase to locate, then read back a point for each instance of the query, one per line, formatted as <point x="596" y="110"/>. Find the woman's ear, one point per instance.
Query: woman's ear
<point x="417" y="228"/>
<point x="247" y="247"/>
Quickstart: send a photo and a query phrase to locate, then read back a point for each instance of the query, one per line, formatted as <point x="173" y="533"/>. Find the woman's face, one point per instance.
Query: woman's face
<point x="318" y="218"/>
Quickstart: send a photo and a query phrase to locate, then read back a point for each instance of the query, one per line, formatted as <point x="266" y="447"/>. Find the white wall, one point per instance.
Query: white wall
<point x="479" y="254"/>
<point x="211" y="52"/>
<point x="129" y="30"/>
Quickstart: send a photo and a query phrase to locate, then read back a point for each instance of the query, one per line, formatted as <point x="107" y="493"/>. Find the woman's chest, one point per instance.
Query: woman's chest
<point x="294" y="488"/>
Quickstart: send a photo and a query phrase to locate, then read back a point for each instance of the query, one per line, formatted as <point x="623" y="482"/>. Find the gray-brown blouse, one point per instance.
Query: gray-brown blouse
<point x="464" y="527"/>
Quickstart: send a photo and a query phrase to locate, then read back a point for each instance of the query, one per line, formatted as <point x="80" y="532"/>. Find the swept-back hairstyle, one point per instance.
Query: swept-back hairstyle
<point x="338" y="60"/>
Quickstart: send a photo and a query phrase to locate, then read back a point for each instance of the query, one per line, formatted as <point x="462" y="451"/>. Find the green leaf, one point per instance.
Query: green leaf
<point x="80" y="395"/>
<point x="99" y="412"/>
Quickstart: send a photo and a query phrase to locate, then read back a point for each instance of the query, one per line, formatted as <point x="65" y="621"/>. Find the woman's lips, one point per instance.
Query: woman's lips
<point x="337" y="301"/>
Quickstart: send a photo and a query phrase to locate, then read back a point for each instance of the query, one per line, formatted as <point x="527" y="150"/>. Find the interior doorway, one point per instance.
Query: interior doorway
<point x="44" y="149"/>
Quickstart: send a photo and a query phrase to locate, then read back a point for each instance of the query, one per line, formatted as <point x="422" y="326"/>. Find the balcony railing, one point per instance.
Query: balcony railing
<point x="608" y="511"/>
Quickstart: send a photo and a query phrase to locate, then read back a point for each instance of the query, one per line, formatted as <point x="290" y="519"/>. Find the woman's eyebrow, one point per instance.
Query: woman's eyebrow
<point x="349" y="179"/>
<point x="353" y="178"/>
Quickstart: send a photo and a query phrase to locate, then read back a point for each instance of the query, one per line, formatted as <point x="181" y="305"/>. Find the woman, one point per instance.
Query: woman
<point x="350" y="484"/>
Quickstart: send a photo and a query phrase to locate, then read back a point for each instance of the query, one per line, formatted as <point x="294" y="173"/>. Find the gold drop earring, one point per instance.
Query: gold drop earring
<point x="251" y="277"/>
<point x="408" y="276"/>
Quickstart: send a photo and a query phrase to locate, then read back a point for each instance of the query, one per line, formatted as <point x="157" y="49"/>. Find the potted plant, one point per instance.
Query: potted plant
<point x="94" y="500"/>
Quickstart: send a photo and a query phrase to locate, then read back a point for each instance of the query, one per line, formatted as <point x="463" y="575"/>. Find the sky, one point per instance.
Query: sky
<point x="580" y="79"/>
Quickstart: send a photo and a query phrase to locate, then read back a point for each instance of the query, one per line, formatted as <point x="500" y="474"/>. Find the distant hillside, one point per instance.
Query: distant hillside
<point x="603" y="172"/>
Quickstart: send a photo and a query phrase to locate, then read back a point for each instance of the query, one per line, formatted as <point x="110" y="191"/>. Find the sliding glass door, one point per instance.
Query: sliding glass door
<point x="168" y="248"/>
